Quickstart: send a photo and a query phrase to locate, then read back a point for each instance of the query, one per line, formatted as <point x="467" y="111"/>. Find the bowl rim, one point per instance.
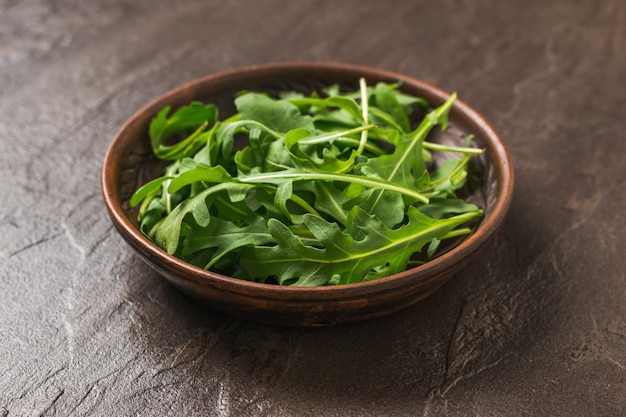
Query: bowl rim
<point x="489" y="224"/>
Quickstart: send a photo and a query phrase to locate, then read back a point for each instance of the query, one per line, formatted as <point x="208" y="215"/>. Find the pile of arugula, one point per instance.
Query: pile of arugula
<point x="331" y="188"/>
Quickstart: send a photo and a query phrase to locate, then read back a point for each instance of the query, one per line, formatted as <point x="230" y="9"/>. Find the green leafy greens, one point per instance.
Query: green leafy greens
<point x="332" y="188"/>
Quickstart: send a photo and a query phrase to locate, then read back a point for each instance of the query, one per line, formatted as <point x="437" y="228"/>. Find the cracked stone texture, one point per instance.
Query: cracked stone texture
<point x="536" y="327"/>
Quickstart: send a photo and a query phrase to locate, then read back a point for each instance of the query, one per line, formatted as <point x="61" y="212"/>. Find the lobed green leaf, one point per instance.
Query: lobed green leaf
<point x="324" y="191"/>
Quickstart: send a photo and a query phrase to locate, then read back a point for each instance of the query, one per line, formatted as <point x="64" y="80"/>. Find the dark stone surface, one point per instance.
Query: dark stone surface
<point x="536" y="327"/>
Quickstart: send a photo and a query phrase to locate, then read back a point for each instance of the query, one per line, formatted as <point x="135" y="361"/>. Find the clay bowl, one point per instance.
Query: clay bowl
<point x="129" y="163"/>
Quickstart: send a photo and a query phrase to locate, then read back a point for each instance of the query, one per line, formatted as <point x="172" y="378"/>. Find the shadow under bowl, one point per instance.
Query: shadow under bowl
<point x="129" y="163"/>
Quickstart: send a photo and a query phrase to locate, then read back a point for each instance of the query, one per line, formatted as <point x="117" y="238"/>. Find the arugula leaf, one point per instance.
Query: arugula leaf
<point x="202" y="173"/>
<point x="196" y="116"/>
<point x="278" y="115"/>
<point x="329" y="200"/>
<point x="342" y="255"/>
<point x="147" y="189"/>
<point x="325" y="190"/>
<point x="387" y="101"/>
<point x="440" y="208"/>
<point x="168" y="234"/>
<point x="304" y="148"/>
<point x="404" y="167"/>
<point x="330" y="106"/>
<point x="224" y="237"/>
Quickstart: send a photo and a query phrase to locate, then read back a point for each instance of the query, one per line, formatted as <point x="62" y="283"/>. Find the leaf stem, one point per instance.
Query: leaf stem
<point x="459" y="166"/>
<point x="169" y="172"/>
<point x="370" y="182"/>
<point x="365" y="113"/>
<point x="456" y="233"/>
<point x="444" y="148"/>
<point x="337" y="135"/>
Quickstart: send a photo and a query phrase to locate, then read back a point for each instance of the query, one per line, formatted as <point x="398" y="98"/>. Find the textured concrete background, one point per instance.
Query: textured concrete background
<point x="536" y="327"/>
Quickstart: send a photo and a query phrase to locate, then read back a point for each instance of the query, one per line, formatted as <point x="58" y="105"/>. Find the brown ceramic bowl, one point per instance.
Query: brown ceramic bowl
<point x="129" y="163"/>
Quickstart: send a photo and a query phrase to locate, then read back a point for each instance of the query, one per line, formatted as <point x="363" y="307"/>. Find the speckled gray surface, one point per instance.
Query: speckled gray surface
<point x="536" y="327"/>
